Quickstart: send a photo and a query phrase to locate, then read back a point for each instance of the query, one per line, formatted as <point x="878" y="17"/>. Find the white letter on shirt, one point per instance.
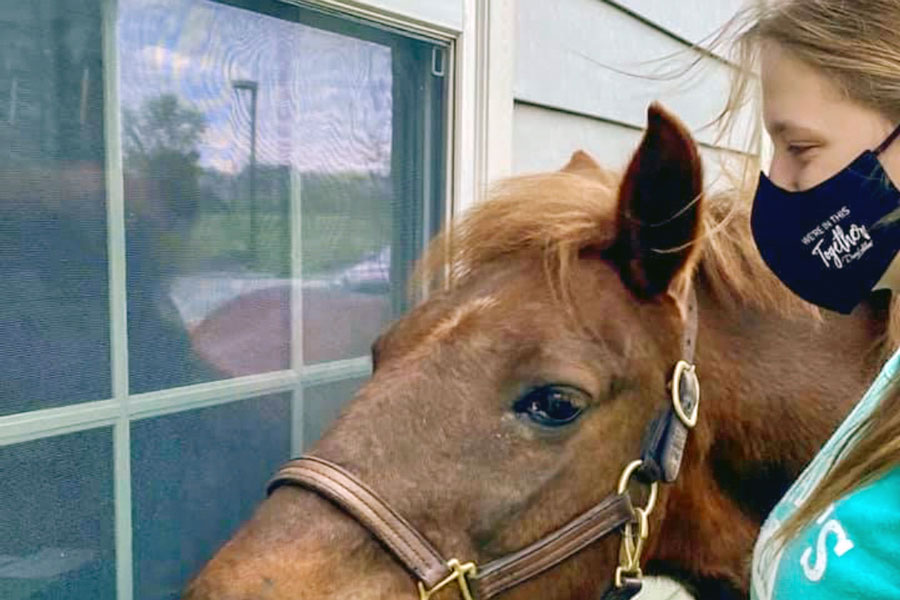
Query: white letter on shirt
<point x="843" y="545"/>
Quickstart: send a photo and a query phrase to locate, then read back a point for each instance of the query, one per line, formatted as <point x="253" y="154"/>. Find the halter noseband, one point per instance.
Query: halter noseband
<point x="661" y="455"/>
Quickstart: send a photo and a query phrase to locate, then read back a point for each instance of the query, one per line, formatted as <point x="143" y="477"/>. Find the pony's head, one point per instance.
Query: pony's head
<point x="509" y="402"/>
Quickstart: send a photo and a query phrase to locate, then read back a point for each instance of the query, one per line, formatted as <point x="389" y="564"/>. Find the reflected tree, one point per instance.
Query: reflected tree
<point x="160" y="145"/>
<point x="162" y="195"/>
<point x="163" y="125"/>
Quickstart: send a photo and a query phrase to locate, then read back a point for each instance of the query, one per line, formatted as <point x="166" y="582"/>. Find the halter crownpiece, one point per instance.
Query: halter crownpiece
<point x="661" y="455"/>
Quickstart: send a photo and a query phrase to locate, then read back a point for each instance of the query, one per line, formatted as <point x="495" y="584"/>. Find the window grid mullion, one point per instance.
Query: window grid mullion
<point x="115" y="206"/>
<point x="296" y="311"/>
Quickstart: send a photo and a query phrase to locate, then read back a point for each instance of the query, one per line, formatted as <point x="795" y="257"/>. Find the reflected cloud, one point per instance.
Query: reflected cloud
<point x="160" y="57"/>
<point x="324" y="100"/>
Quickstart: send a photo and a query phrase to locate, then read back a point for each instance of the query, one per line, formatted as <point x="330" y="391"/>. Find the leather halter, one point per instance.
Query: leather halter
<point x="661" y="455"/>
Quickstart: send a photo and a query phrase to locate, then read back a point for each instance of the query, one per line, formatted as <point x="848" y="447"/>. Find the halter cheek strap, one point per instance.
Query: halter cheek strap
<point x="887" y="141"/>
<point x="666" y="436"/>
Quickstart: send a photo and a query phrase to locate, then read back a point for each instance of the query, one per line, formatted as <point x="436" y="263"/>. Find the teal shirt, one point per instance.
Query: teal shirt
<point x="852" y="550"/>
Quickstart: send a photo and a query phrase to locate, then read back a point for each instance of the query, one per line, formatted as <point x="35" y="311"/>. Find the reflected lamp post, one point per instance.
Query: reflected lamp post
<point x="253" y="88"/>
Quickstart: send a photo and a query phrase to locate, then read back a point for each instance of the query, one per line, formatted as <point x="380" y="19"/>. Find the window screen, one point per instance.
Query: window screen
<point x="54" y="309"/>
<point x="56" y="530"/>
<point x="270" y="160"/>
<point x="208" y="211"/>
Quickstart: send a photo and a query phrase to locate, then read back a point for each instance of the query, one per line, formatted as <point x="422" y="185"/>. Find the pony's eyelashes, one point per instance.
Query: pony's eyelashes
<point x="552" y="405"/>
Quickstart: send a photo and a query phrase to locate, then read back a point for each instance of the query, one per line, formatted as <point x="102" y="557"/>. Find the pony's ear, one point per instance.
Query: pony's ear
<point x="582" y="163"/>
<point x="659" y="207"/>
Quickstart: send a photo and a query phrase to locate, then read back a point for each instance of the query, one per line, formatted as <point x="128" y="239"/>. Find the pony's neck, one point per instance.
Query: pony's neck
<point x="773" y="390"/>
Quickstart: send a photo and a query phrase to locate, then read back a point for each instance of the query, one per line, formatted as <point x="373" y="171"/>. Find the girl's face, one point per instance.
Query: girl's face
<point x="815" y="129"/>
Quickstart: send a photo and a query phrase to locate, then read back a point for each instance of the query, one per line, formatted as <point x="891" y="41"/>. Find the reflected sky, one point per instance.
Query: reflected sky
<point x="324" y="99"/>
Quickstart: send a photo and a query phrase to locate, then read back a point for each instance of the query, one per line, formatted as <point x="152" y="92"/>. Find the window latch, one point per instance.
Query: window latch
<point x="438" y="61"/>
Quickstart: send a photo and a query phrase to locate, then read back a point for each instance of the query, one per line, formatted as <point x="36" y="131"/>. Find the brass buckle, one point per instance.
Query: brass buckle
<point x="633" y="539"/>
<point x="458" y="573"/>
<point x="682" y="369"/>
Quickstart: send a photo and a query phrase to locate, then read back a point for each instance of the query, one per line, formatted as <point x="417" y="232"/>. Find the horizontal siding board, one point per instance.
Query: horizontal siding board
<point x="694" y="20"/>
<point x="543" y="140"/>
<point x="571" y="54"/>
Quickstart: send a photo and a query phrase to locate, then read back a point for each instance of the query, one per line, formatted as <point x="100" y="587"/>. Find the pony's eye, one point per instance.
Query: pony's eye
<point x="552" y="405"/>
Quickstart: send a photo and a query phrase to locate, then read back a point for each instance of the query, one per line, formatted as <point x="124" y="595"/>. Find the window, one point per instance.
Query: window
<point x="207" y="212"/>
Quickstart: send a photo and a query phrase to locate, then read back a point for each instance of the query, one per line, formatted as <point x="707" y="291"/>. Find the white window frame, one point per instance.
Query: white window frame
<point x="483" y="54"/>
<point x="483" y="121"/>
<point x="479" y="151"/>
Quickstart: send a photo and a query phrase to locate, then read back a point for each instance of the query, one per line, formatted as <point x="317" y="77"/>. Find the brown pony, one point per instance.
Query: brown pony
<point x="509" y="402"/>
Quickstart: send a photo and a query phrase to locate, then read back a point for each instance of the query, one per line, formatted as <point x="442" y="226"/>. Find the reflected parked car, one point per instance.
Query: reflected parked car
<point x="371" y="275"/>
<point x="241" y="324"/>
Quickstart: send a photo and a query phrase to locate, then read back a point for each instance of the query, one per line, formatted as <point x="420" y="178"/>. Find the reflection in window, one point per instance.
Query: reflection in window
<point x="320" y="409"/>
<point x="249" y="139"/>
<point x="282" y="168"/>
<point x="196" y="476"/>
<point x="50" y="546"/>
<point x="54" y="313"/>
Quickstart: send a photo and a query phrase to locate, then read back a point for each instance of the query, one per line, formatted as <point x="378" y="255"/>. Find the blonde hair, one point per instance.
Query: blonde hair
<point x="857" y="46"/>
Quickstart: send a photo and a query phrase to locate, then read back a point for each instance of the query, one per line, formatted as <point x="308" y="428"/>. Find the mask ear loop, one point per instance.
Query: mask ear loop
<point x="893" y="216"/>
<point x="887" y="141"/>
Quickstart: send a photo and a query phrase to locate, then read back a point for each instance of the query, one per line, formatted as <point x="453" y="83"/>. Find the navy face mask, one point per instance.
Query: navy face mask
<point x="826" y="243"/>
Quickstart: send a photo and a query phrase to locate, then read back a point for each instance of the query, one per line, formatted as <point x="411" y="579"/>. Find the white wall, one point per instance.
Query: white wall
<point x="584" y="76"/>
<point x="692" y="20"/>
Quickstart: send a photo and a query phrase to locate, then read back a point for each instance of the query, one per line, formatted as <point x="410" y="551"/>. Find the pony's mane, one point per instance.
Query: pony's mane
<point x="555" y="215"/>
<point x="551" y="215"/>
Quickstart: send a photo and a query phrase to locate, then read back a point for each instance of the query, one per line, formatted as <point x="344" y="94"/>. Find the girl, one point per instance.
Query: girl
<point x="825" y="220"/>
